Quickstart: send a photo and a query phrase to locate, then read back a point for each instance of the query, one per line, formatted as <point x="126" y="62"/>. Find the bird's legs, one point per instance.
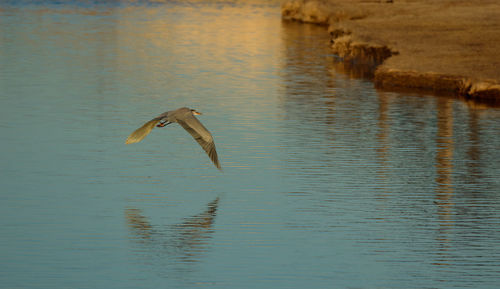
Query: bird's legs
<point x="163" y="123"/>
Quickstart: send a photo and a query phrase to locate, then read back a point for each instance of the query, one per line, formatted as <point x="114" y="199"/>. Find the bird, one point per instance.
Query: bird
<point x="185" y="117"/>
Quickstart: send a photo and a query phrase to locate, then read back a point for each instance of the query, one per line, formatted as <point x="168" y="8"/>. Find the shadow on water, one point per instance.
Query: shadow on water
<point x="176" y="246"/>
<point x="354" y="69"/>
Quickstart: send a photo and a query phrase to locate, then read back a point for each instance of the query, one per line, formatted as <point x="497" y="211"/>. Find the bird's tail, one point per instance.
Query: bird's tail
<point x="142" y="132"/>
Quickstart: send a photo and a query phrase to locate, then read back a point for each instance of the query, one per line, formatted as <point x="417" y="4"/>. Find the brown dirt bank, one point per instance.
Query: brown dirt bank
<point x="446" y="46"/>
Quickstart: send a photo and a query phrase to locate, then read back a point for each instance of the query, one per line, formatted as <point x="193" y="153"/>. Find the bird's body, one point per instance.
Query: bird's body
<point x="186" y="118"/>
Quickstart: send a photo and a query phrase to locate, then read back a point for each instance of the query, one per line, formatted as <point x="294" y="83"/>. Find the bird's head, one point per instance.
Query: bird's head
<point x="194" y="112"/>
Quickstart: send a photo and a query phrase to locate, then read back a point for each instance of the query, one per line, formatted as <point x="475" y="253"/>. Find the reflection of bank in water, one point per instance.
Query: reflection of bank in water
<point x="444" y="170"/>
<point x="183" y="242"/>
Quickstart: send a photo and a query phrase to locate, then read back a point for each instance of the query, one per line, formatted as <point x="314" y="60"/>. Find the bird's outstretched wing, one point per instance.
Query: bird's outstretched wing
<point x="192" y="125"/>
<point x="143" y="131"/>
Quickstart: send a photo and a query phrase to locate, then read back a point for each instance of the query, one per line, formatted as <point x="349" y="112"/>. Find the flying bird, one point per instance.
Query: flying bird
<point x="186" y="118"/>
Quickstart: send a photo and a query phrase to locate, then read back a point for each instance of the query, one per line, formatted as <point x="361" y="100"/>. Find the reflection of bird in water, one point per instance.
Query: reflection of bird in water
<point x="184" y="241"/>
<point x="186" y="118"/>
<point x="138" y="223"/>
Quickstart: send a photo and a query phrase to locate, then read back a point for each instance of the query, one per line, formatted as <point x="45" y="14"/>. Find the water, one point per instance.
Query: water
<point x="326" y="182"/>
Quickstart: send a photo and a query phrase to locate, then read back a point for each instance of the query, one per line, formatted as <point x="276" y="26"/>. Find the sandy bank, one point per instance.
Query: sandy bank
<point x="447" y="46"/>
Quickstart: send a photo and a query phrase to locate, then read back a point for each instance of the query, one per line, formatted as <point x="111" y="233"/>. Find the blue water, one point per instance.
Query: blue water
<point x="326" y="182"/>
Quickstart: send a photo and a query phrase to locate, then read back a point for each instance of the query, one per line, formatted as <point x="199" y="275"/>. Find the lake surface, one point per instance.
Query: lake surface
<point x="326" y="182"/>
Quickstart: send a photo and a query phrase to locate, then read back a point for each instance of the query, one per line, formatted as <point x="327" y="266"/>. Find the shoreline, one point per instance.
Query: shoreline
<point x="440" y="48"/>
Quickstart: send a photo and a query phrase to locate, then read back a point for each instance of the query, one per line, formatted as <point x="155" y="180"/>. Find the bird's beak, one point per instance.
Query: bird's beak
<point x="196" y="113"/>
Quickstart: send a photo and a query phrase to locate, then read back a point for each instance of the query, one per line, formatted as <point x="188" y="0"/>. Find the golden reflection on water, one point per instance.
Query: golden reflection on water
<point x="121" y="42"/>
<point x="444" y="169"/>
<point x="307" y="80"/>
<point x="383" y="123"/>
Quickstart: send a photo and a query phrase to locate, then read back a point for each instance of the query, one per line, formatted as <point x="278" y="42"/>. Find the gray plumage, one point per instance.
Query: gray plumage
<point x="186" y="118"/>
